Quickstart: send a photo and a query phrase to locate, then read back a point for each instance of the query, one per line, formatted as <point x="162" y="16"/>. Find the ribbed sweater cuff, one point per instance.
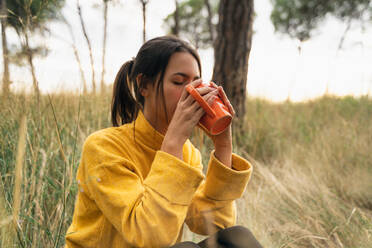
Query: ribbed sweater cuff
<point x="223" y="183"/>
<point x="174" y="179"/>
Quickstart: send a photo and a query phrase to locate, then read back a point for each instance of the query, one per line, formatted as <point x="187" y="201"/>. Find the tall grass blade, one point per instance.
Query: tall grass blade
<point x="21" y="148"/>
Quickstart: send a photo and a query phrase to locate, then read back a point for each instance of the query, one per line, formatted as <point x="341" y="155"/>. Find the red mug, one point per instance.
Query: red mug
<point x="217" y="117"/>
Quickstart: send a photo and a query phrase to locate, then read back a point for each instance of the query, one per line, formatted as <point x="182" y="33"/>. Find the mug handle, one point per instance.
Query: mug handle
<point x="224" y="100"/>
<point x="191" y="89"/>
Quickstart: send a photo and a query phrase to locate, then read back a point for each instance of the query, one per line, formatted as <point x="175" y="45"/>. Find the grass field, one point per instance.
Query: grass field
<point x="311" y="187"/>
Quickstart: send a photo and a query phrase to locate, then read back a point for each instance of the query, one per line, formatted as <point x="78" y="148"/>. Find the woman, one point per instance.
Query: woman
<point x="142" y="179"/>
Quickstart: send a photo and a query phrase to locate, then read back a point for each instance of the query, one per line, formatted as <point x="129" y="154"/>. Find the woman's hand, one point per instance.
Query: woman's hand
<point x="186" y="116"/>
<point x="223" y="141"/>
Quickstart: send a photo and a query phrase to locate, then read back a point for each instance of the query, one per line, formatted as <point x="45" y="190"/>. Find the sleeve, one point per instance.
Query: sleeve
<point x="145" y="212"/>
<point x="213" y="206"/>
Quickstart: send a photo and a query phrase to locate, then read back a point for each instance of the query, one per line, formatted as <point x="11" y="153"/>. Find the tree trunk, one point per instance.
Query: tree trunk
<point x="104" y="46"/>
<point x="77" y="57"/>
<point x="6" y="78"/>
<point x="89" y="47"/>
<point x="348" y="26"/>
<point x="82" y="75"/>
<point x="176" y="28"/>
<point x="209" y="18"/>
<point x="30" y="59"/>
<point x="144" y="2"/>
<point x="232" y="48"/>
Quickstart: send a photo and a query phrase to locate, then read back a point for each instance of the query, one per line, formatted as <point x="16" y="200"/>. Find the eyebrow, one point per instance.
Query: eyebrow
<point x="184" y="75"/>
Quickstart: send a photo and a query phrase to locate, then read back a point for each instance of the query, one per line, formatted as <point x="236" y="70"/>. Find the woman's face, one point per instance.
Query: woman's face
<point x="182" y="69"/>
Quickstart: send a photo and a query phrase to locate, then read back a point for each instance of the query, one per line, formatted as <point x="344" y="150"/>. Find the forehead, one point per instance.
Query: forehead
<point x="183" y="62"/>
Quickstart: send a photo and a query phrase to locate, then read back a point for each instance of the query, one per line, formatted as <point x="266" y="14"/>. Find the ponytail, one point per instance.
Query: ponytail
<point x="124" y="105"/>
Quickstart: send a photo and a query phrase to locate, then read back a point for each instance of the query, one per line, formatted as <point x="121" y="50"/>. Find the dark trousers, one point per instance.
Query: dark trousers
<point x="234" y="237"/>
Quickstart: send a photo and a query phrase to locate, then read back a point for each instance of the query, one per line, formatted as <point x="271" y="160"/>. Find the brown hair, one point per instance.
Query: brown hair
<point x="151" y="61"/>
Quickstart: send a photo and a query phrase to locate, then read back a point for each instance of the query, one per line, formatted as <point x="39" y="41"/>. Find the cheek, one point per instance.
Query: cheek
<point x="178" y="93"/>
<point x="174" y="96"/>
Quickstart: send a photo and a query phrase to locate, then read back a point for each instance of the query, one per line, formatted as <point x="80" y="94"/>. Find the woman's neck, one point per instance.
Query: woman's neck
<point x="156" y="123"/>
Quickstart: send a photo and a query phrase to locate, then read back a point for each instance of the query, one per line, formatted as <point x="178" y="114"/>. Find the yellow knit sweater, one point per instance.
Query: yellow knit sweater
<point x="131" y="194"/>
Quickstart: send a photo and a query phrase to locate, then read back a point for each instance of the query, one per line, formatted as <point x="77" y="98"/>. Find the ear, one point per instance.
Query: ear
<point x="143" y="89"/>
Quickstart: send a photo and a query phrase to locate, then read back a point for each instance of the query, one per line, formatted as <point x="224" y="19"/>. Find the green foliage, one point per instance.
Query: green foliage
<point x="32" y="14"/>
<point x="299" y="18"/>
<point x="18" y="54"/>
<point x="352" y="9"/>
<point x="27" y="17"/>
<point x="193" y="21"/>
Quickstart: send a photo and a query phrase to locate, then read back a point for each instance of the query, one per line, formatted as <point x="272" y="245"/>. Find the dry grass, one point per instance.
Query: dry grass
<point x="311" y="187"/>
<point x="314" y="188"/>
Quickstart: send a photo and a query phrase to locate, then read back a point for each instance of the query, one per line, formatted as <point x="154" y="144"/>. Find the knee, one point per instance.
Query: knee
<point x="236" y="231"/>
<point x="238" y="236"/>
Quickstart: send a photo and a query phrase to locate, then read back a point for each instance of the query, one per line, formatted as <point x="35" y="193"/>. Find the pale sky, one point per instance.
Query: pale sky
<point x="276" y="71"/>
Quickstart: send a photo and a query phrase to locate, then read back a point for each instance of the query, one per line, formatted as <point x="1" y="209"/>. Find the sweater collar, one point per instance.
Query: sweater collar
<point x="146" y="133"/>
